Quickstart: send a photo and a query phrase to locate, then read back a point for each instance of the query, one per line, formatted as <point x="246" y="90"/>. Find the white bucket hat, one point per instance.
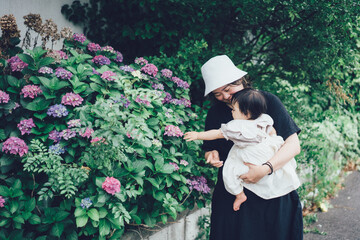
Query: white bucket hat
<point x="219" y="71"/>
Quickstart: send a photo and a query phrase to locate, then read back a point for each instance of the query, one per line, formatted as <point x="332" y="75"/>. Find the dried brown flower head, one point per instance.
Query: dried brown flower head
<point x="67" y="33"/>
<point x="33" y="21"/>
<point x="9" y="27"/>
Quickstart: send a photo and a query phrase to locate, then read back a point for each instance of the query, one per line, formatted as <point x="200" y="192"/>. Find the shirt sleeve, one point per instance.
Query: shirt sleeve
<point x="283" y="123"/>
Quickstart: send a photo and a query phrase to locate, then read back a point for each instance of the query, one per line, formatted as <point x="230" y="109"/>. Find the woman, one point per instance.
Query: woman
<point x="258" y="219"/>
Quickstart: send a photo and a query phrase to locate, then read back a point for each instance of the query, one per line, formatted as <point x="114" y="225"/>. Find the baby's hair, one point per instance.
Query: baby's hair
<point x="250" y="101"/>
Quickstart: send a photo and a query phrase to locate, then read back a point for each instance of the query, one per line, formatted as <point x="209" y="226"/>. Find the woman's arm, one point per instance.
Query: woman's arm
<point x="208" y="135"/>
<point x="289" y="149"/>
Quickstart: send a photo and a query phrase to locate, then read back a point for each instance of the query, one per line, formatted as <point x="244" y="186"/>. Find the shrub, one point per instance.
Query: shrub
<point x="91" y="145"/>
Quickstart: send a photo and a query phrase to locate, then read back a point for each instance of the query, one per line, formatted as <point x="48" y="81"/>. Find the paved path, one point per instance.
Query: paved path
<point x="342" y="222"/>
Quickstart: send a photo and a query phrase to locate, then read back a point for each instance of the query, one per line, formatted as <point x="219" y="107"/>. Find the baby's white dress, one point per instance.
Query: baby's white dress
<point x="253" y="144"/>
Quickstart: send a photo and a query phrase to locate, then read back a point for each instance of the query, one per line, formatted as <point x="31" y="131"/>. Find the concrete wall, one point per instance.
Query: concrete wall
<point x="48" y="9"/>
<point x="185" y="228"/>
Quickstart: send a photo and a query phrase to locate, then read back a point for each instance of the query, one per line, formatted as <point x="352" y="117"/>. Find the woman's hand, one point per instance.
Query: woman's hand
<point x="213" y="158"/>
<point x="191" y="136"/>
<point x="255" y="173"/>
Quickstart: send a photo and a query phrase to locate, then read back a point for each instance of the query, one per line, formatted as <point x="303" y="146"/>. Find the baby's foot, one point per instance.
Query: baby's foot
<point x="240" y="198"/>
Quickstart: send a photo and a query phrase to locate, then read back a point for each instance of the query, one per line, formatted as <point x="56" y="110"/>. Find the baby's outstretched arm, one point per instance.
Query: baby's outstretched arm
<point x="208" y="135"/>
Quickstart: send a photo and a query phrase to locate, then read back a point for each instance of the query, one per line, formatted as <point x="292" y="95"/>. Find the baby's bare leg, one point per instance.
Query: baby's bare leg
<point x="240" y="198"/>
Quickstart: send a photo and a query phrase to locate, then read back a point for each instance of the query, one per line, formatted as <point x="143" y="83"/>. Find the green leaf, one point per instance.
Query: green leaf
<point x="95" y="87"/>
<point x="79" y="212"/>
<point x="61" y="215"/>
<point x="40" y="116"/>
<point x="34" y="219"/>
<point x="159" y="164"/>
<point x="167" y="169"/>
<point x="4" y="191"/>
<point x="104" y="227"/>
<point x="14" y="205"/>
<point x="150" y="221"/>
<point x="93" y="214"/>
<point x="26" y="58"/>
<point x="45" y="61"/>
<point x="35" y="80"/>
<point x="99" y="181"/>
<point x="19" y="219"/>
<point x="17" y="184"/>
<point x="57" y="229"/>
<point x="3" y="222"/>
<point x="153" y="182"/>
<point x="81" y="221"/>
<point x="13" y="81"/>
<point x="38" y="104"/>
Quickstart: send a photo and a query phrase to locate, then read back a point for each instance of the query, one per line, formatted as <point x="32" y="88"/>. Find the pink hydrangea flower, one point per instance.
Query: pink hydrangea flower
<point x="46" y="70"/>
<point x="14" y="145"/>
<point x="79" y="37"/>
<point x="87" y="133"/>
<point x="173" y="131"/>
<point x="141" y="61"/>
<point x="166" y="73"/>
<point x="74" y="123"/>
<point x="62" y="73"/>
<point x="108" y="49"/>
<point x="101" y="60"/>
<point x="16" y="64"/>
<point x="180" y="83"/>
<point x="98" y="140"/>
<point x="72" y="99"/>
<point x="4" y="97"/>
<point x="107" y="75"/>
<point x="111" y="185"/>
<point x="26" y="125"/>
<point x="55" y="135"/>
<point x="67" y="134"/>
<point x="144" y="101"/>
<point x="176" y="167"/>
<point x="2" y="201"/>
<point x="30" y="91"/>
<point x="184" y="162"/>
<point x="150" y="69"/>
<point x="93" y="47"/>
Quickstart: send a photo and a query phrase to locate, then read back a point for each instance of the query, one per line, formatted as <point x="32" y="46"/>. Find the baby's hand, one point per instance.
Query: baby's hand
<point x="191" y="136"/>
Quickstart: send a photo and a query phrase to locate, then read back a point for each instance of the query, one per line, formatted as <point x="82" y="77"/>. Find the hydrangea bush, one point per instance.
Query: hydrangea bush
<point x="92" y="145"/>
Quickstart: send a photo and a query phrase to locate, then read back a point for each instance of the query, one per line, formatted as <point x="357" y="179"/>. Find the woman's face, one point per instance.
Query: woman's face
<point x="224" y="94"/>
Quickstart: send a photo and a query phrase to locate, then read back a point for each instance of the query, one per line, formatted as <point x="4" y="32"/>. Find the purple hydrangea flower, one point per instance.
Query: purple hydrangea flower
<point x="141" y="61"/>
<point x="2" y="201"/>
<point x="46" y="70"/>
<point x="176" y="167"/>
<point x="67" y="134"/>
<point x="30" y="91"/>
<point x="62" y="73"/>
<point x="14" y="145"/>
<point x="72" y="99"/>
<point x="26" y="125"/>
<point x="180" y="83"/>
<point x="95" y="72"/>
<point x="74" y="123"/>
<point x="4" y="97"/>
<point x="55" y="135"/>
<point x="166" y="73"/>
<point x="79" y="37"/>
<point x="56" y="149"/>
<point x="108" y="75"/>
<point x="143" y="101"/>
<point x="101" y="60"/>
<point x="86" y="203"/>
<point x="123" y="100"/>
<point x="167" y="98"/>
<point x="16" y="64"/>
<point x="58" y="111"/>
<point x="173" y="131"/>
<point x="127" y="68"/>
<point x="62" y="54"/>
<point x="119" y="57"/>
<point x="93" y="47"/>
<point x="150" y="69"/>
<point x="157" y="86"/>
<point x="199" y="184"/>
<point x="183" y="101"/>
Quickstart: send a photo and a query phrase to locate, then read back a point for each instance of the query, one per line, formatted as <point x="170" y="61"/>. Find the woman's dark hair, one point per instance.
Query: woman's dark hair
<point x="244" y="81"/>
<point x="250" y="101"/>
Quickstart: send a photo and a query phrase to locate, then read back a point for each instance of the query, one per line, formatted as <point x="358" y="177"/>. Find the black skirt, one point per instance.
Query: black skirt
<point x="258" y="219"/>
